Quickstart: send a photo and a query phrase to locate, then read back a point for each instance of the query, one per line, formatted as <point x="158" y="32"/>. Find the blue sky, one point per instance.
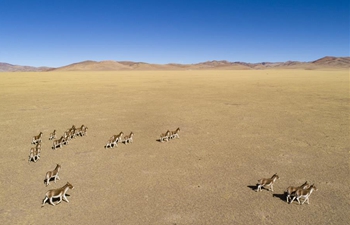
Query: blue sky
<point x="60" y="32"/>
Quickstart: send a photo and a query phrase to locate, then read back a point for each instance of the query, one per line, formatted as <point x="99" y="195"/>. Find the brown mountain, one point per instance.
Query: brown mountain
<point x="93" y="65"/>
<point x="223" y="64"/>
<point x="129" y="65"/>
<point x="322" y="63"/>
<point x="326" y="62"/>
<point x="6" y="67"/>
<point x="330" y="61"/>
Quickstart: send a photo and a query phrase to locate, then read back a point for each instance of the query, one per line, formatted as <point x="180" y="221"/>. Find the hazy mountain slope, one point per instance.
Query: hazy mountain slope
<point x="110" y="65"/>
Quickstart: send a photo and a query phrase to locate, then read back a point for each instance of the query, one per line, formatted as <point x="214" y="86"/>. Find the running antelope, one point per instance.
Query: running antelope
<point x="37" y="151"/>
<point x="113" y="141"/>
<point x="77" y="131"/>
<point x="110" y="141"/>
<point x="53" y="174"/>
<point x="165" y="136"/>
<point x="52" y="135"/>
<point x="119" y="137"/>
<point x="68" y="134"/>
<point x="80" y="131"/>
<point x="57" y="193"/>
<point x="268" y="182"/>
<point x="291" y="190"/>
<point x="59" y="142"/>
<point x="84" y="131"/>
<point x="37" y="138"/>
<point x="128" y="138"/>
<point x="174" y="134"/>
<point x="71" y="132"/>
<point x="304" y="193"/>
<point x="72" y="128"/>
<point x="34" y="154"/>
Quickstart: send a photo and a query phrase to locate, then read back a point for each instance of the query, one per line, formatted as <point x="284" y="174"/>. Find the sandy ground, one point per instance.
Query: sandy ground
<point x="236" y="127"/>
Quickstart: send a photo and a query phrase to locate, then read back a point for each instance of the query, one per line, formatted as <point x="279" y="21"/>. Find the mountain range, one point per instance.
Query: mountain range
<point x="328" y="62"/>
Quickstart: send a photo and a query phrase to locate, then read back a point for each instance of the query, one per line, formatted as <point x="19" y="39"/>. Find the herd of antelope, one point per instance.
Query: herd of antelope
<point x="69" y="134"/>
<point x="34" y="153"/>
<point x="303" y="191"/>
<point x="115" y="139"/>
<point x="168" y="135"/>
<point x="34" y="156"/>
<point x="55" y="193"/>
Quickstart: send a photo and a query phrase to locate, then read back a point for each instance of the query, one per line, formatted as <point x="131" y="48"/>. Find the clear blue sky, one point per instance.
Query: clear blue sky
<point x="60" y="32"/>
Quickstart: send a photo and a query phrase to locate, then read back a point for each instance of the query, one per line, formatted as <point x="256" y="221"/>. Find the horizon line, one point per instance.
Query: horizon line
<point x="214" y="60"/>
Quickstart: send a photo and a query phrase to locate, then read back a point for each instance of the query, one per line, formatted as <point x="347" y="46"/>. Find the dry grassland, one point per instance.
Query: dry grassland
<point x="236" y="127"/>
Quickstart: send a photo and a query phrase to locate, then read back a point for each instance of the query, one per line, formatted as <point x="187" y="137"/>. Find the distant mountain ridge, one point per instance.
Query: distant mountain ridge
<point x="6" y="67"/>
<point x="110" y="65"/>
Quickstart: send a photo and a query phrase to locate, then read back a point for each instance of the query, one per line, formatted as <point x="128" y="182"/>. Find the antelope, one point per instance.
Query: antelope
<point x="291" y="190"/>
<point x="128" y="138"/>
<point x="59" y="142"/>
<point x="37" y="151"/>
<point x="37" y="138"/>
<point x="57" y="193"/>
<point x="110" y="141"/>
<point x="84" y="131"/>
<point x="165" y="136"/>
<point x="119" y="137"/>
<point x="72" y="128"/>
<point x="34" y="153"/>
<point x="65" y="140"/>
<point x="79" y="131"/>
<point x="174" y="134"/>
<point x="68" y="134"/>
<point x="71" y="132"/>
<point x="113" y="141"/>
<point x="304" y="193"/>
<point x="53" y="173"/>
<point x="267" y="182"/>
<point x="52" y="135"/>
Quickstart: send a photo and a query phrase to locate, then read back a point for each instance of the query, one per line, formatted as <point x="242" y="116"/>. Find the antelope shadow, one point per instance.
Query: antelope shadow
<point x="253" y="187"/>
<point x="52" y="179"/>
<point x="282" y="197"/>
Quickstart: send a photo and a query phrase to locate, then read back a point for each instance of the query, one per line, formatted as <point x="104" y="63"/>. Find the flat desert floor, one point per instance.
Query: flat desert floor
<point x="236" y="127"/>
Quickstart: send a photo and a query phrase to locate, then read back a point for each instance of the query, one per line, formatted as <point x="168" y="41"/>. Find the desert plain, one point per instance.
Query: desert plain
<point x="236" y="126"/>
